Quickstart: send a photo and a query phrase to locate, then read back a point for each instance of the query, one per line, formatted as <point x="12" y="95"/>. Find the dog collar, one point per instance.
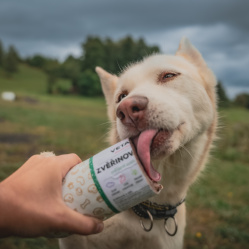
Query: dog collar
<point x="158" y="211"/>
<point x="151" y="210"/>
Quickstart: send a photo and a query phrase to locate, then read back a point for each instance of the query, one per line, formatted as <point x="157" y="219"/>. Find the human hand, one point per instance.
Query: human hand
<point x="31" y="200"/>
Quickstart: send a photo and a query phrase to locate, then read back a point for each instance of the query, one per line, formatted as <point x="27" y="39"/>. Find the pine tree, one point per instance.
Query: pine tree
<point x="10" y="62"/>
<point x="222" y="96"/>
<point x="1" y="54"/>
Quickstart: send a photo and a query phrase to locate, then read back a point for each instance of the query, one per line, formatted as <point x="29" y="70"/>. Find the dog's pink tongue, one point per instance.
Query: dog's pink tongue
<point x="143" y="151"/>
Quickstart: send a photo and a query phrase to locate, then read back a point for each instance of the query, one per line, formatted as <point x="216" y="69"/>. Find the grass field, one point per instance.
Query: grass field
<point x="217" y="204"/>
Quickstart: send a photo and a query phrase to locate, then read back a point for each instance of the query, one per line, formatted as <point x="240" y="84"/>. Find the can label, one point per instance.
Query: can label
<point x="118" y="177"/>
<point x="107" y="183"/>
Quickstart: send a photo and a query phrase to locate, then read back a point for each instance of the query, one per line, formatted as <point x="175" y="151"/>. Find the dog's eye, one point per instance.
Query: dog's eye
<point x="166" y="76"/>
<point x="121" y="96"/>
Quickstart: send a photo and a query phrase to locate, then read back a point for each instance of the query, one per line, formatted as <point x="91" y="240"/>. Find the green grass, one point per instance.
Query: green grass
<point x="59" y="124"/>
<point x="26" y="80"/>
<point x="217" y="204"/>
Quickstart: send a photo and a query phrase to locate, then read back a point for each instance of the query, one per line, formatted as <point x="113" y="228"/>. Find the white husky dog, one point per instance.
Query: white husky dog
<point x="168" y="102"/>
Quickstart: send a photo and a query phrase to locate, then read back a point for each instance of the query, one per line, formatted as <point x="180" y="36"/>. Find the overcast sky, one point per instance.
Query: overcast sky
<point x="56" y="28"/>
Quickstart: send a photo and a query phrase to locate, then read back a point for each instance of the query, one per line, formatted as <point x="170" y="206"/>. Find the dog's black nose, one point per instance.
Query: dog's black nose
<point x="131" y="111"/>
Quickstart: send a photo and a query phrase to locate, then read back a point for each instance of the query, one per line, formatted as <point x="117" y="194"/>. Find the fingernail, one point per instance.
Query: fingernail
<point x="100" y="227"/>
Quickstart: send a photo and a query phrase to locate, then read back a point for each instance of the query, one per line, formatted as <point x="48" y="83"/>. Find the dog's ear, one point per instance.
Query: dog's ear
<point x="109" y="84"/>
<point x="189" y="52"/>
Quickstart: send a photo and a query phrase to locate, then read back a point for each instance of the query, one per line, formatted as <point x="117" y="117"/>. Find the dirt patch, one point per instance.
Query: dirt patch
<point x="27" y="99"/>
<point x="30" y="100"/>
<point x="2" y="119"/>
<point x="17" y="138"/>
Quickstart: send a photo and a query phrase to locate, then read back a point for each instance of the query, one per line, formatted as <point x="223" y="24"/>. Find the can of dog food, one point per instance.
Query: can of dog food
<point x="108" y="183"/>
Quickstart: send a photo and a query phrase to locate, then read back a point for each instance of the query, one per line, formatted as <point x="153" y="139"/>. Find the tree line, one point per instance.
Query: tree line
<point x="112" y="55"/>
<point x="80" y="71"/>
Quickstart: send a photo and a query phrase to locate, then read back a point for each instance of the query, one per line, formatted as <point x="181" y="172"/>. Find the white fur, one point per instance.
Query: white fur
<point x="185" y="105"/>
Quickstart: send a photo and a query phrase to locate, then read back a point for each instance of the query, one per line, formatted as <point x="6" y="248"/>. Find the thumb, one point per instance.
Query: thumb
<point x="78" y="223"/>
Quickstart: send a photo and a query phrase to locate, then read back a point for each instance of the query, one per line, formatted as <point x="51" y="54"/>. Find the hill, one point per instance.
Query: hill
<point x="28" y="80"/>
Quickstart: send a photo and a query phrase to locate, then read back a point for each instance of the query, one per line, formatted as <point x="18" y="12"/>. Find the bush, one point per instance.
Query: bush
<point x="36" y="61"/>
<point x="242" y="100"/>
<point x="88" y="84"/>
<point x="63" y="87"/>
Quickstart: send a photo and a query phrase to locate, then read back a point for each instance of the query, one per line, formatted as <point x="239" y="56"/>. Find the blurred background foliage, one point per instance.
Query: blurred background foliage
<point x="79" y="72"/>
<point x="109" y="54"/>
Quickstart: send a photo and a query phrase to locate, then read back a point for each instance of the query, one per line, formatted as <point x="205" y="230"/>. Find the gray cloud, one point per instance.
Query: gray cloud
<point x="219" y="29"/>
<point x="60" y="19"/>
